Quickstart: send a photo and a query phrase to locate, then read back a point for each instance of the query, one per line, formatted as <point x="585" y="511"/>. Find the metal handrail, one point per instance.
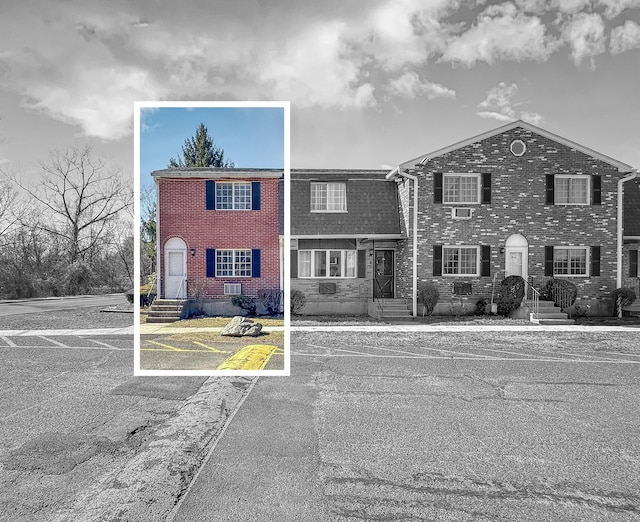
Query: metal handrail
<point x="535" y="298"/>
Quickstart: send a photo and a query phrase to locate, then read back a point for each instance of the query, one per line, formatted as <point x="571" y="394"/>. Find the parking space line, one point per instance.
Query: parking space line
<point x="169" y="347"/>
<point x="62" y="345"/>
<point x="210" y="348"/>
<point x="479" y="356"/>
<point x="106" y="345"/>
<point x="9" y="342"/>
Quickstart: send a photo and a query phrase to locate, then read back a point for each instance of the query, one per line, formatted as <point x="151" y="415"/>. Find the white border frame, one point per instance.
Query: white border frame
<point x="285" y="269"/>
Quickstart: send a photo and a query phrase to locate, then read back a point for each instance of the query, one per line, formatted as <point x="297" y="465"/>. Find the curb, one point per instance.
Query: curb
<point x="148" y="485"/>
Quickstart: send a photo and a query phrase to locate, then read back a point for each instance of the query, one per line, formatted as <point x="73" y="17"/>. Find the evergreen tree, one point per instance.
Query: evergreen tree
<point x="201" y="151"/>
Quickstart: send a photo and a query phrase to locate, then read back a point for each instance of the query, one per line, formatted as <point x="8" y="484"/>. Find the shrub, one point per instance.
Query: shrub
<point x="483" y="307"/>
<point x="511" y="294"/>
<point x="563" y="293"/>
<point x="245" y="302"/>
<point x="129" y="295"/>
<point x="297" y="300"/>
<point x="622" y="297"/>
<point x="271" y="298"/>
<point x="428" y="295"/>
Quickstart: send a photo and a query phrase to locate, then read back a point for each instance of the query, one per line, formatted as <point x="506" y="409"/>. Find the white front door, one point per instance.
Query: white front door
<point x="516" y="256"/>
<point x="175" y="281"/>
<point x="514" y="264"/>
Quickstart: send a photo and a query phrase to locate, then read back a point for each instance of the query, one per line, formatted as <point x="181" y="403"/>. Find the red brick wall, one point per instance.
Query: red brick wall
<point x="183" y="214"/>
<point x="517" y="207"/>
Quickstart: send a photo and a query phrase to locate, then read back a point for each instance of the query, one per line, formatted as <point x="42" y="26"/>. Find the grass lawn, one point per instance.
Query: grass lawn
<point x="221" y="322"/>
<point x="545" y="341"/>
<point x="78" y="318"/>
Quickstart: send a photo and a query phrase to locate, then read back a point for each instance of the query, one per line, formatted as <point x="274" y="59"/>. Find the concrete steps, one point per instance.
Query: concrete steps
<point x="549" y="314"/>
<point x="393" y="309"/>
<point x="165" y="311"/>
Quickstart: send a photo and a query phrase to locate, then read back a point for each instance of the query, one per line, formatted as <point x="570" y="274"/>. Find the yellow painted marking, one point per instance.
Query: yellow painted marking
<point x="252" y="357"/>
<point x="210" y="348"/>
<point x="172" y="348"/>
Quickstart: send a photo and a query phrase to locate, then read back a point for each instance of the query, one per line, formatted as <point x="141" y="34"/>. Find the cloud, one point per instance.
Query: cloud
<point x="625" y="37"/>
<point x="502" y="32"/>
<point x="499" y="102"/>
<point x="410" y="86"/>
<point x="499" y="105"/>
<point x="613" y="8"/>
<point x="585" y="35"/>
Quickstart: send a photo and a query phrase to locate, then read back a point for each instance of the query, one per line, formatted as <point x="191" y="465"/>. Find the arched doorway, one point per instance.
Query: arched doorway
<point x="516" y="258"/>
<point x="175" y="269"/>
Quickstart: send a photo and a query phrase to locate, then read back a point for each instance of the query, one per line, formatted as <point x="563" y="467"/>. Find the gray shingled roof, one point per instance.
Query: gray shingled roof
<point x="632" y="208"/>
<point x="372" y="204"/>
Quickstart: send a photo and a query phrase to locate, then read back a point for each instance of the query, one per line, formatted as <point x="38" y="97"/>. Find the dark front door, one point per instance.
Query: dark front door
<point x="383" y="282"/>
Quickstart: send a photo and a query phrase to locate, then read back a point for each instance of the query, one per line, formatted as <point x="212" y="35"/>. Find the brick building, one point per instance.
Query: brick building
<point x="220" y="233"/>
<point x="517" y="200"/>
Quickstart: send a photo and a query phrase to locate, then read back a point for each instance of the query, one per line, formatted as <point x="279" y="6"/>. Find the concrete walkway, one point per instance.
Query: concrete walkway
<point x="450" y="328"/>
<point x="128" y="330"/>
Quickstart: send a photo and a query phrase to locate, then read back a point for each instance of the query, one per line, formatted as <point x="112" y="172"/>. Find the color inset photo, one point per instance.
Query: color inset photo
<point x="211" y="207"/>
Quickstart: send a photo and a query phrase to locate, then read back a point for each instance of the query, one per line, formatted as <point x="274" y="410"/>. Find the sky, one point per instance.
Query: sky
<point x="251" y="137"/>
<point x="372" y="83"/>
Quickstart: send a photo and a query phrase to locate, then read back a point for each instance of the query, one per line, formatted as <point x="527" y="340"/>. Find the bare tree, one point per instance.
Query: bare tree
<point x="82" y="197"/>
<point x="8" y="199"/>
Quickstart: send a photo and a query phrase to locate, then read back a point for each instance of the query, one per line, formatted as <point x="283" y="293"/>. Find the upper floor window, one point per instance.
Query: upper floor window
<point x="461" y="188"/>
<point x="571" y="190"/>
<point x="233" y="196"/>
<point x="328" y="197"/>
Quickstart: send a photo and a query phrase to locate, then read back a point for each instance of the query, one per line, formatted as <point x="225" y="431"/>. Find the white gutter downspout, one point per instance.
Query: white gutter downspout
<point x="398" y="171"/>
<point x="629" y="177"/>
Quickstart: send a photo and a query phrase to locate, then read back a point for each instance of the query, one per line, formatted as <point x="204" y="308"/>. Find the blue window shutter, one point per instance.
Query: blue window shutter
<point x="597" y="190"/>
<point x="548" y="261"/>
<point x="294" y="264"/>
<point x="255" y="262"/>
<point x="633" y="263"/>
<point x="485" y="261"/>
<point x="255" y="195"/>
<point x="211" y="262"/>
<point x="550" y="196"/>
<point x="211" y="194"/>
<point x="595" y="260"/>
<point x="486" y="187"/>
<point x="437" y="187"/>
<point x="437" y="260"/>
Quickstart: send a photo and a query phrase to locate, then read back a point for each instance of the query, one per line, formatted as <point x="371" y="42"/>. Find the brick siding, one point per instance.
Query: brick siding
<point x="517" y="207"/>
<point x="183" y="214"/>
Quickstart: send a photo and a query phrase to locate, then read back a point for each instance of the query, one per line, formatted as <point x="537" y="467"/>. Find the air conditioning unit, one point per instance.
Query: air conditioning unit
<point x="461" y="213"/>
<point x="232" y="289"/>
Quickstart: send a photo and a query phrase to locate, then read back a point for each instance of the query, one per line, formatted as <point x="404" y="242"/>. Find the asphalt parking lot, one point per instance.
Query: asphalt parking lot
<point x="210" y="351"/>
<point x="524" y="425"/>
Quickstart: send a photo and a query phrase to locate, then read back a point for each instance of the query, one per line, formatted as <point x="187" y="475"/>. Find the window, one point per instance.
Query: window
<point x="327" y="263"/>
<point x="461" y="188"/>
<point x="233" y="196"/>
<point x="328" y="197"/>
<point x="460" y="260"/>
<point x="570" y="261"/>
<point x="571" y="190"/>
<point x="518" y="148"/>
<point x="233" y="263"/>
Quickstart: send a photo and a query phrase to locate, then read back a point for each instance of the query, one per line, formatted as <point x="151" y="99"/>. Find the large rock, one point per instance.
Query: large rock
<point x="241" y="327"/>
